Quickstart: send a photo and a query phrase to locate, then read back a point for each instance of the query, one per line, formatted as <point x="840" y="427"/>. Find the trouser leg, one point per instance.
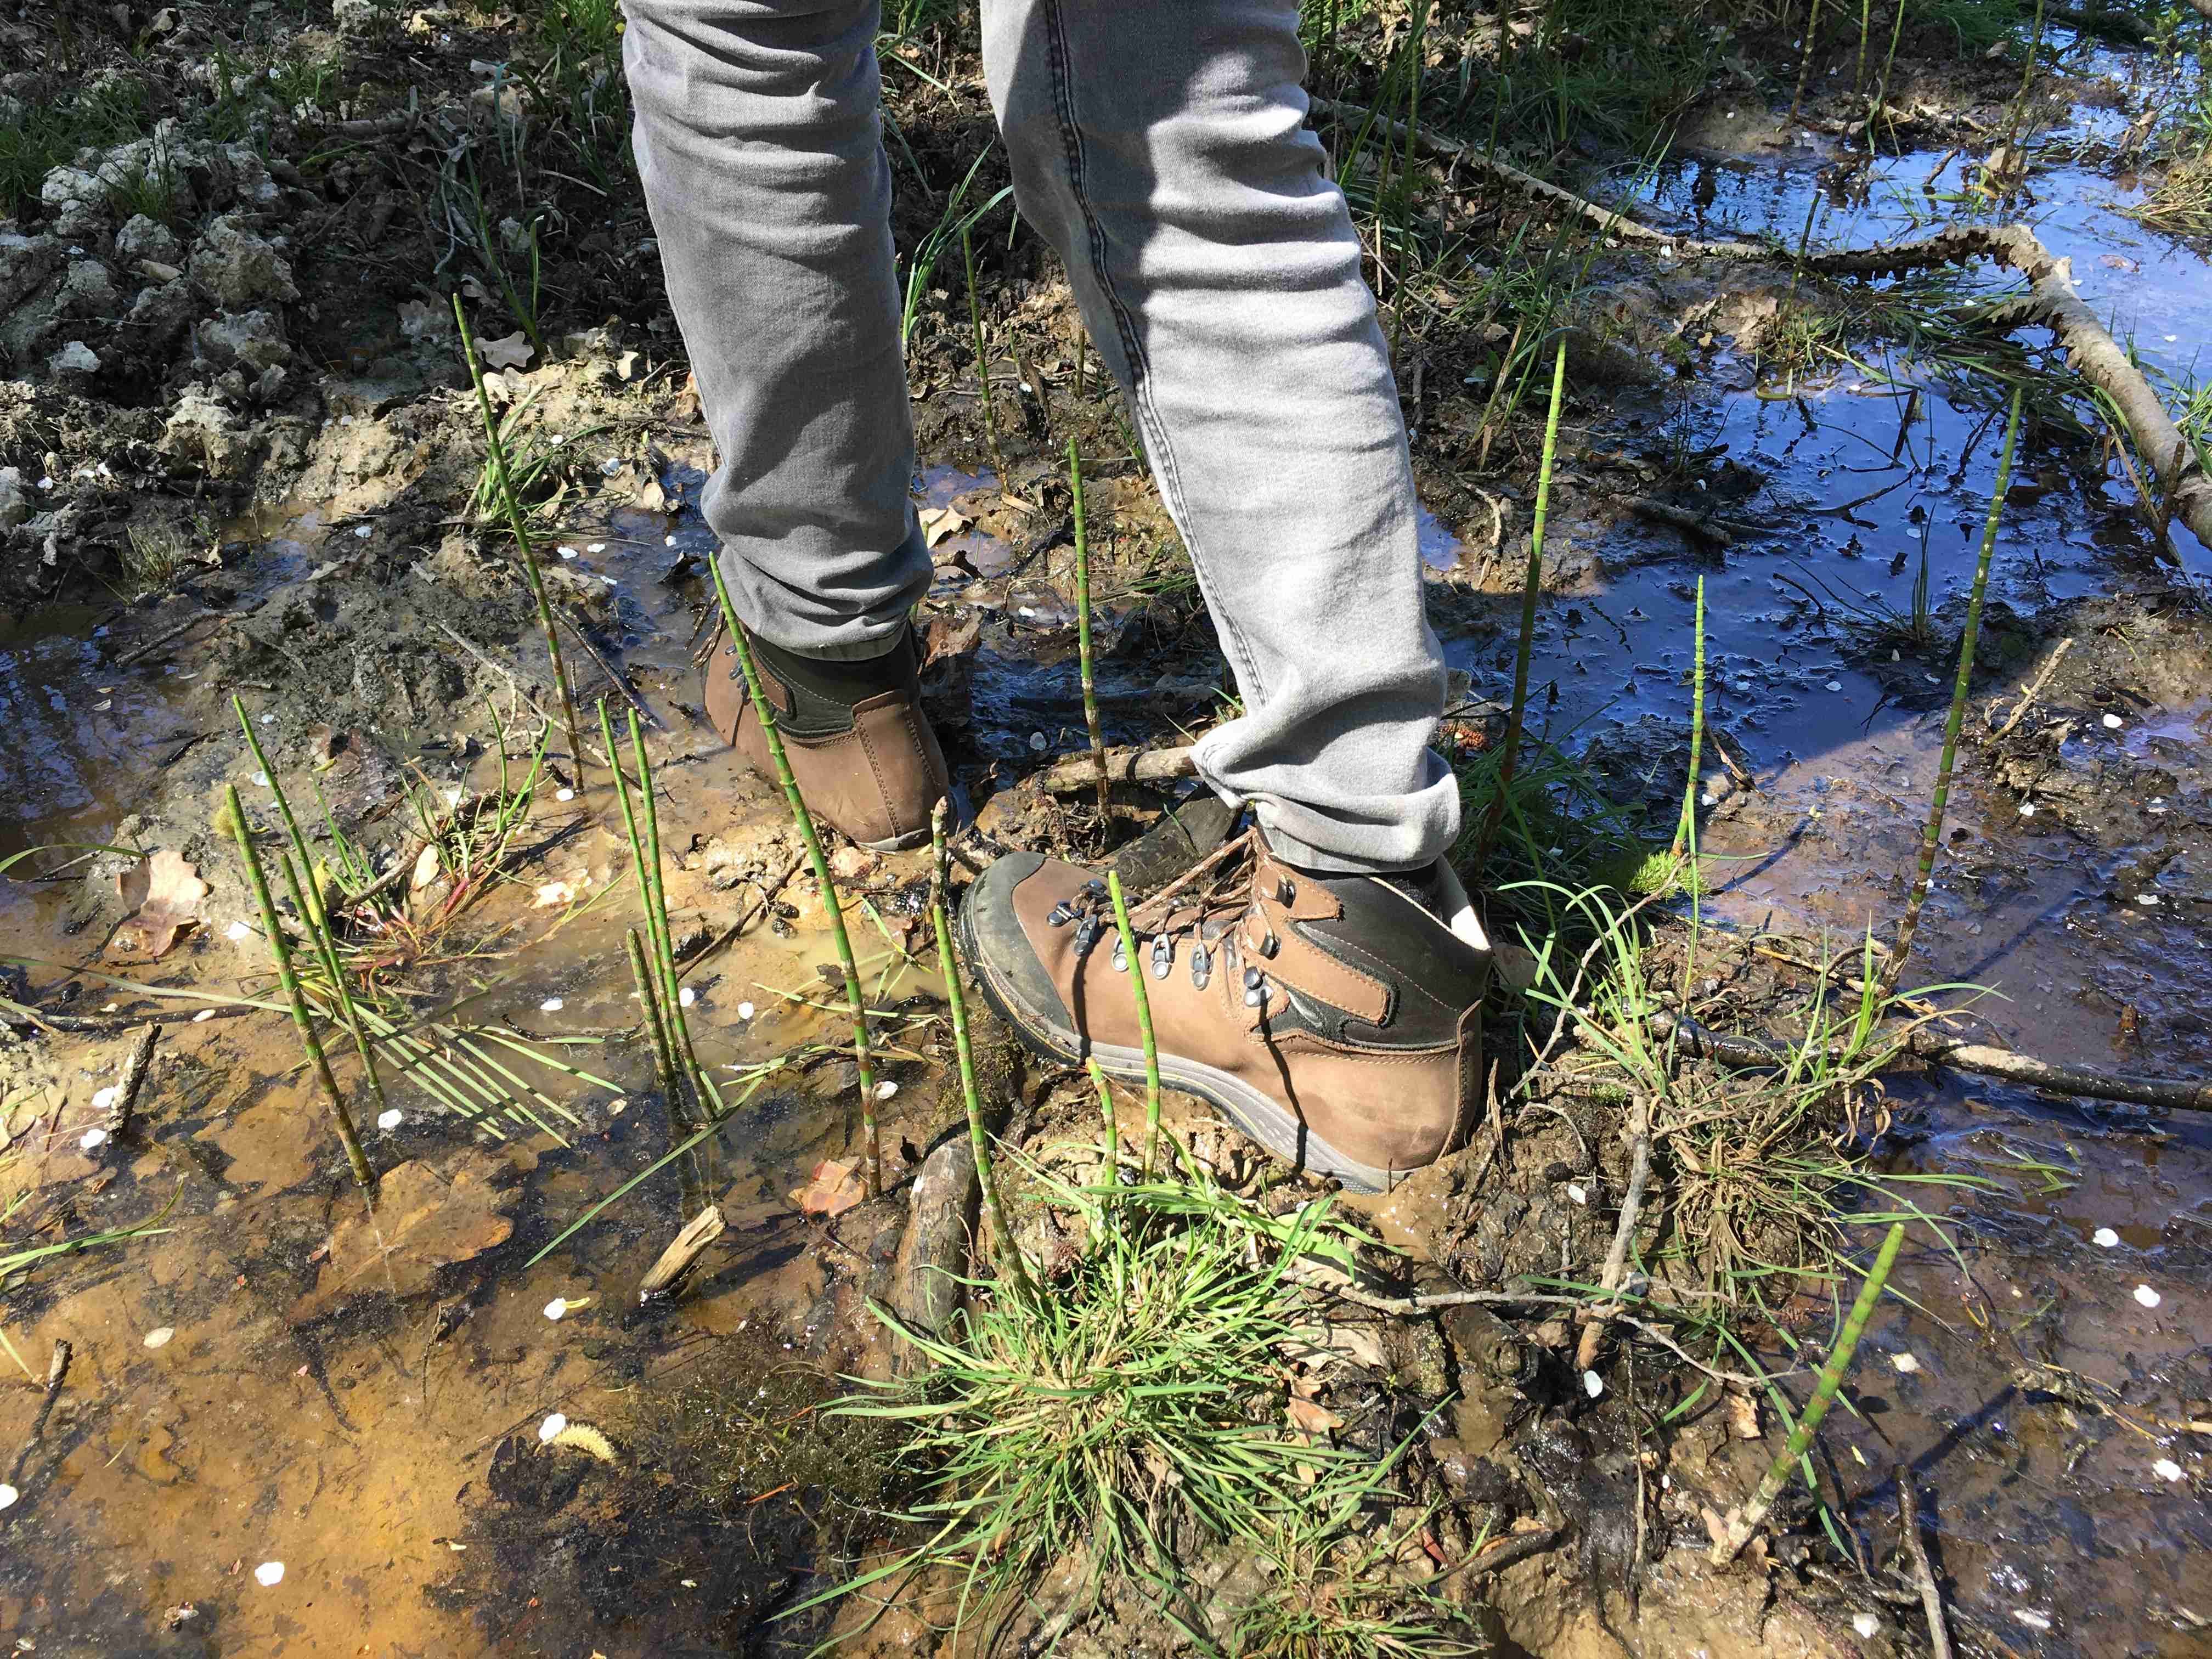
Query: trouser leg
<point x="1159" y="145"/>
<point x="757" y="137"/>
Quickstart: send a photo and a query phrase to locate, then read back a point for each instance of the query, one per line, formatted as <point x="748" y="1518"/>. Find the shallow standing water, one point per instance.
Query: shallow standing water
<point x="348" y="1450"/>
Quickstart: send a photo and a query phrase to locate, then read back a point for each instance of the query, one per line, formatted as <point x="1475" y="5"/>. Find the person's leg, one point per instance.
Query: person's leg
<point x="758" y="141"/>
<point x="1159" y="145"/>
<point x="1335" y="1014"/>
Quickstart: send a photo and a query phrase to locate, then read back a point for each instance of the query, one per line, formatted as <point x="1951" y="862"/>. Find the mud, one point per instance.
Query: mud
<point x="251" y="476"/>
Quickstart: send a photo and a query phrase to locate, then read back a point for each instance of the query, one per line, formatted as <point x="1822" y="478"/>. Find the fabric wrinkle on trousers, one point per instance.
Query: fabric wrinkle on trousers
<point x="1160" y="146"/>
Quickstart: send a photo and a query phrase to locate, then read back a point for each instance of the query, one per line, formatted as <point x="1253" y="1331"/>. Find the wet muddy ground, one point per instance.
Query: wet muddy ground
<point x="236" y="1404"/>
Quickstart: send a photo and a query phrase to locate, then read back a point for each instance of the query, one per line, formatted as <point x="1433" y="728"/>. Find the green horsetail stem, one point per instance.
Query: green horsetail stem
<point x="1144" y="1002"/>
<point x="978" y="1141"/>
<point x="1532" y="583"/>
<point x="497" y="453"/>
<point x="1825" y="1389"/>
<point x="1932" y="833"/>
<point x="1083" y="623"/>
<point x="281" y="954"/>
<point x="307" y="897"/>
<point x="765" y="712"/>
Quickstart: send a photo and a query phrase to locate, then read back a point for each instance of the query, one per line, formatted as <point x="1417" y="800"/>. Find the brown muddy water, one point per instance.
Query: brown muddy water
<point x="358" y="1447"/>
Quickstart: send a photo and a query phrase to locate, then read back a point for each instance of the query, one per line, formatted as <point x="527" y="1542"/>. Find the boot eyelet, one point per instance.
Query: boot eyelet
<point x="1286" y="893"/>
<point x="1202" y="968"/>
<point x="1162" y="957"/>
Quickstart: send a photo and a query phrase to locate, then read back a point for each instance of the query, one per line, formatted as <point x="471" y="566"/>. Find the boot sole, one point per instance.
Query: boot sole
<point x="1257" y="1115"/>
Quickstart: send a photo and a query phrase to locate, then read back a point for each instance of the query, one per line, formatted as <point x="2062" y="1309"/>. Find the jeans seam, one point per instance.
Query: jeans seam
<point x="1071" y="139"/>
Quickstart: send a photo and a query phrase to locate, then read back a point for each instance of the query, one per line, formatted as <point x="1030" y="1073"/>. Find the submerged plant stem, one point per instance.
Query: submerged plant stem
<point x="982" y="363"/>
<point x="1932" y="833"/>
<point x="1687" y="827"/>
<point x="280" y="953"/>
<point x="765" y="712"/>
<point x="497" y="453"/>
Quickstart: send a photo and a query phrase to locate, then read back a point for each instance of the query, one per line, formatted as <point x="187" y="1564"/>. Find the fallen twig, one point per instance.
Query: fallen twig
<point x="2175" y="1094"/>
<point x="577" y="632"/>
<point x="1616" y="1258"/>
<point x="1693" y="524"/>
<point x="2051" y="303"/>
<point x="2035" y="687"/>
<point x="57" y="1373"/>
<point x="133" y="1079"/>
<point x="769" y="889"/>
<point x="1418" y="1304"/>
<point x="682" y="1253"/>
<point x="1137" y="765"/>
<point x="1915" y="1551"/>
<point x="1507" y="1551"/>
<point x="1612" y="221"/>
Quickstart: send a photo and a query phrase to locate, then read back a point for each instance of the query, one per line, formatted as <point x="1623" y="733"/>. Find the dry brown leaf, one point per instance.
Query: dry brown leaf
<point x="851" y="863"/>
<point x="166" y="895"/>
<point x="425" y="1220"/>
<point x="835" y="1189"/>
<point x="1310" y="1418"/>
<point x="512" y="351"/>
<point x="1743" y="1417"/>
<point x="939" y="522"/>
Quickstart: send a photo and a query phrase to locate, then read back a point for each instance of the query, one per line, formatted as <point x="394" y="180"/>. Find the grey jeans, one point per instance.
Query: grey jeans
<point x="1160" y="146"/>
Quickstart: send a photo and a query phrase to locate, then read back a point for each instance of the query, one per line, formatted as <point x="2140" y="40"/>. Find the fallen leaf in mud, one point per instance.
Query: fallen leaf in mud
<point x="550" y="893"/>
<point x="426" y="869"/>
<point x="835" y="1189"/>
<point x="850" y="863"/>
<point x="165" y="894"/>
<point x="1308" y="1417"/>
<point x="425" y="1220"/>
<point x="2118" y="262"/>
<point x="938" y="522"/>
<point x="421" y="320"/>
<point x="510" y="351"/>
<point x="1743" y="1417"/>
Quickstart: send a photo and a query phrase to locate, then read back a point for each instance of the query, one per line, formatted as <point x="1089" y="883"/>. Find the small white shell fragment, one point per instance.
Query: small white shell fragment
<point x="237" y="930"/>
<point x="92" y="1139"/>
<point x="551" y="1427"/>
<point x="2147" y="1296"/>
<point x="556" y="1309"/>
<point x="159" y="1335"/>
<point x="1866" y="1624"/>
<point x="686" y="997"/>
<point x="391" y="1118"/>
<point x="1037" y="742"/>
<point x="618" y="1106"/>
<point x="1906" y="1363"/>
<point x="269" y="720"/>
<point x="566" y="552"/>
<point x="1593" y="1384"/>
<point x="260" y="779"/>
<point x="104" y="1098"/>
<point x="2028" y="809"/>
<point x="564" y="794"/>
<point x="453" y="798"/>
<point x="8" y="1495"/>
<point x="1835" y="685"/>
<point x="2105" y="1237"/>
<point x="595" y="547"/>
<point x="551" y="1005"/>
<point x="886" y="1089"/>
<point x="203" y="1017"/>
<point x="361" y="531"/>
<point x="2033" y="1620"/>
<point x="2167" y="1469"/>
<point x="668" y="541"/>
<point x="270" y="1573"/>
<point x="1577" y="1192"/>
<point x="2114" y="722"/>
<point x="745" y="1011"/>
<point x="2146" y="898"/>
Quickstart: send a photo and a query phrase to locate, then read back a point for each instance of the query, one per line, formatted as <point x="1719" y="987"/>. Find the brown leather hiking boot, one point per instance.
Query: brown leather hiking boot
<point x="1337" y="1020"/>
<point x="858" y="742"/>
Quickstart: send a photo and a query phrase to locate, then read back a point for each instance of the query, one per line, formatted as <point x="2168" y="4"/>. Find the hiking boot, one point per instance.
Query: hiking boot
<point x="853" y="732"/>
<point x="1337" y="1019"/>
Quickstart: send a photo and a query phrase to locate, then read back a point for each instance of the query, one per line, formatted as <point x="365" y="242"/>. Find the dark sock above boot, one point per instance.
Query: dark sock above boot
<point x="824" y="689"/>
